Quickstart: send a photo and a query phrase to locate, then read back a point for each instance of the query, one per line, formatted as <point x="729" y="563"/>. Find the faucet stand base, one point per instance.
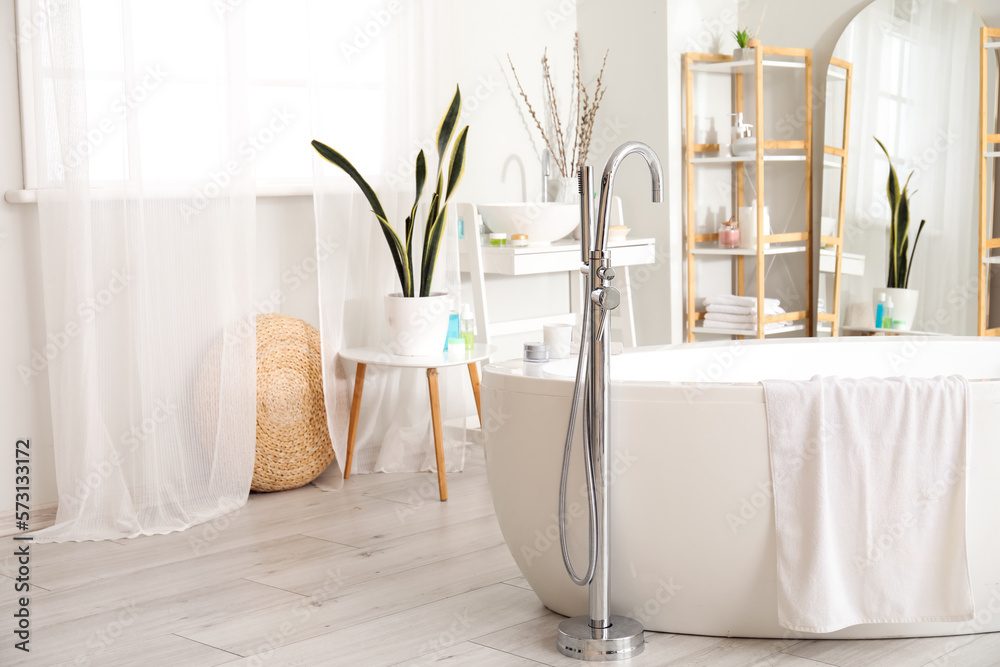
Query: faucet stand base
<point x="624" y="639"/>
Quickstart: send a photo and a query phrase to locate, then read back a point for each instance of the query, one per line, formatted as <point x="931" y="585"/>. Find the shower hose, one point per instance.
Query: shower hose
<point x="582" y="381"/>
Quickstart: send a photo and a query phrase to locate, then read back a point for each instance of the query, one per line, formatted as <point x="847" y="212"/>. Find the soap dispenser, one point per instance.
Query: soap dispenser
<point x="743" y="144"/>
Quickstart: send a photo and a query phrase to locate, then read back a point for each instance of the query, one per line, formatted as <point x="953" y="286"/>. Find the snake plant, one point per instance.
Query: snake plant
<point x="437" y="214"/>
<point x="899" y="229"/>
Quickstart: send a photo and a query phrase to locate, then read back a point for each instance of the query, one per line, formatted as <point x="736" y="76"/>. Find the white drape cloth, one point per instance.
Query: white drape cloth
<point x="355" y="267"/>
<point x="147" y="294"/>
<point x="915" y="88"/>
<point x="869" y="500"/>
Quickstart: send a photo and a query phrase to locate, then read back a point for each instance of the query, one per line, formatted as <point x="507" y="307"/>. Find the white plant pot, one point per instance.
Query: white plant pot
<point x="904" y="305"/>
<point x="418" y="326"/>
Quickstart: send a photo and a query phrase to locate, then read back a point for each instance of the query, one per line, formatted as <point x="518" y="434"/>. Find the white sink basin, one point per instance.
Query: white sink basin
<point x="542" y="222"/>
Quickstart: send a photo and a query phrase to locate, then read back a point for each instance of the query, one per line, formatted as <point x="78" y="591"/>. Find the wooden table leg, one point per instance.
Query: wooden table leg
<point x="352" y="429"/>
<point x="432" y="386"/>
<point x="474" y="376"/>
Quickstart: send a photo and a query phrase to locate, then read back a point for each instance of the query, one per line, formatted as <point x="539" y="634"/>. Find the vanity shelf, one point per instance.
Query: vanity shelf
<point x="795" y="152"/>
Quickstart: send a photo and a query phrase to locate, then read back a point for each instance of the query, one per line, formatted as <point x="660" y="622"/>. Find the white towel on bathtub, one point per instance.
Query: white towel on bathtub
<point x="869" y="500"/>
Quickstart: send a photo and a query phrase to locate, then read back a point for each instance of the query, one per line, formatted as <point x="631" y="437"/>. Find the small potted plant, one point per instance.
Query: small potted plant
<point x="904" y="300"/>
<point x="418" y="318"/>
<point x="746" y="43"/>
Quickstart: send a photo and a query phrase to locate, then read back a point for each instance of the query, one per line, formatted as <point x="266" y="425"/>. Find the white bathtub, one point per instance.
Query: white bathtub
<point x="692" y="523"/>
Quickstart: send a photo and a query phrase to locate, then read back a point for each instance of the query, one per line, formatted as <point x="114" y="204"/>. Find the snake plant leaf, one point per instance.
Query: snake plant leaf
<point x="457" y="162"/>
<point x="336" y="158"/>
<point x="432" y="243"/>
<point x="421" y="178"/>
<point x="429" y="254"/>
<point x="399" y="256"/>
<point x="906" y="278"/>
<point x="447" y="126"/>
<point x="892" y="187"/>
<point x="901" y="241"/>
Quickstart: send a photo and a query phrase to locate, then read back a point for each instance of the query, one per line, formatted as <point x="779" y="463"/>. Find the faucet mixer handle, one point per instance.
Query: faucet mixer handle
<point x="608" y="298"/>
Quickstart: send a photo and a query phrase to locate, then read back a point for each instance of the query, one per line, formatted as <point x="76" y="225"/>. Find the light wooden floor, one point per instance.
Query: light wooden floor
<point x="380" y="573"/>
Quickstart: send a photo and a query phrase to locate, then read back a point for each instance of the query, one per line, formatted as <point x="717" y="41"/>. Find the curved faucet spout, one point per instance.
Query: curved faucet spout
<point x="608" y="184"/>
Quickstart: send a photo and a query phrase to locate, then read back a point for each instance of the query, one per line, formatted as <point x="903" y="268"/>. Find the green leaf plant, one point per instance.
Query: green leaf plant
<point x="437" y="214"/>
<point x="742" y="36"/>
<point x="899" y="229"/>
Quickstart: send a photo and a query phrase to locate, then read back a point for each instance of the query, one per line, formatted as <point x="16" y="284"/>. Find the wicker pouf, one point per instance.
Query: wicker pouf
<point x="293" y="442"/>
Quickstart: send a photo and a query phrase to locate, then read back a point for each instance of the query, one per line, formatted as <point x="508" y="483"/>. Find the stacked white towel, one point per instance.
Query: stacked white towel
<point x="726" y="311"/>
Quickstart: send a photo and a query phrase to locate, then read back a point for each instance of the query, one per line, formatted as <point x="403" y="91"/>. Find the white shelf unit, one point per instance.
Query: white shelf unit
<point x="696" y="245"/>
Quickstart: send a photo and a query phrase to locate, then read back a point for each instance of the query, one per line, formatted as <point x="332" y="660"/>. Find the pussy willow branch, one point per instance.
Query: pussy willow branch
<point x="564" y="155"/>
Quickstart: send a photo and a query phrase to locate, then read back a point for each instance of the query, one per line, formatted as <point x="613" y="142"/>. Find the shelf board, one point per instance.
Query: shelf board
<point x="775" y="249"/>
<point x="991" y="45"/>
<point x="727" y="159"/>
<point x="836" y="73"/>
<point x="991" y="154"/>
<point x="728" y="66"/>
<point x="851" y="264"/>
<point x="747" y="332"/>
<point x="824" y="327"/>
<point x="992" y="260"/>
<point x="832" y="161"/>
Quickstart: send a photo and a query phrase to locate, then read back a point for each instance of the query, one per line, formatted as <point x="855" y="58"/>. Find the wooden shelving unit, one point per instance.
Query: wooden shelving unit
<point x="989" y="149"/>
<point x="795" y="151"/>
<point x="837" y="240"/>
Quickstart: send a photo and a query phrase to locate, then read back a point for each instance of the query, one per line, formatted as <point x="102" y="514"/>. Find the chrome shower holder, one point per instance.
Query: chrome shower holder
<point x="598" y="636"/>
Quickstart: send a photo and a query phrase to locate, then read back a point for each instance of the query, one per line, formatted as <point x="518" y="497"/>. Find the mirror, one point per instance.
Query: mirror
<point x="914" y="84"/>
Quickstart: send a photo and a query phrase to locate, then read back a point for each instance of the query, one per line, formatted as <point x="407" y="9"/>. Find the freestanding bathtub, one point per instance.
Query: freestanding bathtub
<point x="692" y="534"/>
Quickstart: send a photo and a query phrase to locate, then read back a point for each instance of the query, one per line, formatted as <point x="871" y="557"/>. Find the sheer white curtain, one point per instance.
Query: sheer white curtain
<point x="147" y="240"/>
<point x="355" y="267"/>
<point x="916" y="88"/>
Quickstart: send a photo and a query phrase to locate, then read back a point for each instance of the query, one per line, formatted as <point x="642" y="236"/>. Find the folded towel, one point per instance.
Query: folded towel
<point x="743" y="310"/>
<point x="745" y="326"/>
<point x="745" y="301"/>
<point x="869" y="500"/>
<point x="726" y="317"/>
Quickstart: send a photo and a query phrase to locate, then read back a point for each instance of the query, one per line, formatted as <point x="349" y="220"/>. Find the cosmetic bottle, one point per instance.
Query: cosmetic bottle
<point x="743" y="144"/>
<point x="887" y="316"/>
<point x="880" y="310"/>
<point x="467" y="326"/>
<point x="453" y="325"/>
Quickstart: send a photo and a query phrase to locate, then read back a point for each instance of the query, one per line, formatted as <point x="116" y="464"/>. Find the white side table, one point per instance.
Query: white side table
<point x="379" y="357"/>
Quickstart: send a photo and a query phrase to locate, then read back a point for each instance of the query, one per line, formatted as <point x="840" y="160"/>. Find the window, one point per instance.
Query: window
<point x="160" y="72"/>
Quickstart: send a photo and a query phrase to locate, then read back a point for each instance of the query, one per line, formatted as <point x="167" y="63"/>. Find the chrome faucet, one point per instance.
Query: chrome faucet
<point x="598" y="635"/>
<point x="608" y="184"/>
